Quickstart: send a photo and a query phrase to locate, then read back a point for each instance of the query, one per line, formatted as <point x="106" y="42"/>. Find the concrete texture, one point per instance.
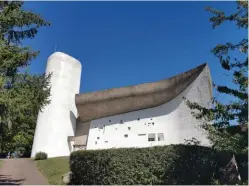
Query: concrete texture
<point x="96" y="105"/>
<point x="21" y="172"/>
<point x="57" y="120"/>
<point x="118" y="117"/>
<point x="172" y="119"/>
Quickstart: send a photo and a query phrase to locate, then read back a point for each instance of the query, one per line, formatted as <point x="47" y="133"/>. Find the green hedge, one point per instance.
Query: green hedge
<point x="174" y="164"/>
<point x="41" y="156"/>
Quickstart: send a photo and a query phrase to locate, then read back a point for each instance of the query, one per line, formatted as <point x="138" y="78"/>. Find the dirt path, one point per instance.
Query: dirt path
<point x="20" y="172"/>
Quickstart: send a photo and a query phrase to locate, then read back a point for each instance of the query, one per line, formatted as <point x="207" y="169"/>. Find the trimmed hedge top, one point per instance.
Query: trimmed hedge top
<point x="174" y="164"/>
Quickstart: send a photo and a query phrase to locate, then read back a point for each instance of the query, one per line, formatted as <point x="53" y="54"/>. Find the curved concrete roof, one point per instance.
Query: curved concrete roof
<point x="96" y="105"/>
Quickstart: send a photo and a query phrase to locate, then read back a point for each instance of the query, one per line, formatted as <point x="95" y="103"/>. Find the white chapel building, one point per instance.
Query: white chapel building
<point x="143" y="115"/>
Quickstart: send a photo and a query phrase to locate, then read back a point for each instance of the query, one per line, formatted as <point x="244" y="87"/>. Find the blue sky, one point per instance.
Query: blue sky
<point x="128" y="43"/>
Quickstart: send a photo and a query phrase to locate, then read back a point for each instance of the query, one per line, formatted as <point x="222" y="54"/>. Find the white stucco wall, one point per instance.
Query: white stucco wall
<point x="58" y="119"/>
<point x="173" y="119"/>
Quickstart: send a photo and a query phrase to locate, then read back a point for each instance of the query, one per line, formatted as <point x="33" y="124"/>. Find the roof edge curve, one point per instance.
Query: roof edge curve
<point x="109" y="102"/>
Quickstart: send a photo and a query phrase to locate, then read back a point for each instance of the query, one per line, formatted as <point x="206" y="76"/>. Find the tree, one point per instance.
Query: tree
<point x="221" y="132"/>
<point x="222" y="114"/>
<point x="22" y="95"/>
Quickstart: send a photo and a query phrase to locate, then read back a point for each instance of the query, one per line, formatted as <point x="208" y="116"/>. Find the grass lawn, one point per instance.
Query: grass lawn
<point x="1" y="163"/>
<point x="53" y="169"/>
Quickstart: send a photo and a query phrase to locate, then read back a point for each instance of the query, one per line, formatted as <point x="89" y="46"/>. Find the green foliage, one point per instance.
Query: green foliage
<point x="234" y="59"/>
<point x="1" y="163"/>
<point x="41" y="156"/>
<point x="161" y="165"/>
<point x="22" y="95"/>
<point x="174" y="164"/>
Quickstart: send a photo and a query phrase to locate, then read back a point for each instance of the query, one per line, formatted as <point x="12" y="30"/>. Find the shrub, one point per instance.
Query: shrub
<point x="174" y="164"/>
<point x="41" y="156"/>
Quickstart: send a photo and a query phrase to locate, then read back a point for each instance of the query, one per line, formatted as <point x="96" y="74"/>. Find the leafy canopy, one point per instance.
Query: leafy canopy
<point x="222" y="115"/>
<point x="22" y="95"/>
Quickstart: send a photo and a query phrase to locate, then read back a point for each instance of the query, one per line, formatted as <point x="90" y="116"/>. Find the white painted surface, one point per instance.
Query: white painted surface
<point x="173" y="119"/>
<point x="57" y="120"/>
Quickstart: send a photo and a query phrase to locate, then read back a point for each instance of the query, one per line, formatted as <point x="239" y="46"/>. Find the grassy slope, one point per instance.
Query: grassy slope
<point x="53" y="169"/>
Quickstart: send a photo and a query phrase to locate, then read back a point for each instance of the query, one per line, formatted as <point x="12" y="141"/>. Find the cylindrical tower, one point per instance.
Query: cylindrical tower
<point x="57" y="120"/>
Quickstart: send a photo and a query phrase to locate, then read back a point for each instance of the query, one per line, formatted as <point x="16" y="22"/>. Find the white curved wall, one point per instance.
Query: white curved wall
<point x="173" y="119"/>
<point x="57" y="120"/>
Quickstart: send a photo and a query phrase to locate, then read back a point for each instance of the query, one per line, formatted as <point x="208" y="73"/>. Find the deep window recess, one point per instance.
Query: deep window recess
<point x="95" y="142"/>
<point x="110" y="120"/>
<point x="141" y="134"/>
<point x="106" y="141"/>
<point x="129" y="128"/>
<point x="138" y="119"/>
<point x="160" y="137"/>
<point x="126" y="135"/>
<point x="152" y="137"/>
<point x="97" y="137"/>
<point x="121" y="122"/>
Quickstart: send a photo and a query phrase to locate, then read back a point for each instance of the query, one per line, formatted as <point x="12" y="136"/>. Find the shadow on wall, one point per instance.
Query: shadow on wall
<point x="73" y="124"/>
<point x="162" y="110"/>
<point x="69" y="146"/>
<point x="73" y="121"/>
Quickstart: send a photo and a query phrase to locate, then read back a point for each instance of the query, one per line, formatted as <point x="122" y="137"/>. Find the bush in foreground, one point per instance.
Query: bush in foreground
<point x="174" y="164"/>
<point x="41" y="156"/>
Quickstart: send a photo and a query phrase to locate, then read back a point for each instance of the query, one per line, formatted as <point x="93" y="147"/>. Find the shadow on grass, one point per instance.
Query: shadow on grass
<point x="7" y="180"/>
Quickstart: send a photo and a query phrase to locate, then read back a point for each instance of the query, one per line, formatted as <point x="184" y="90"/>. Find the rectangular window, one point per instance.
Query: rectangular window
<point x="141" y="134"/>
<point x="160" y="137"/>
<point x="126" y="135"/>
<point x="152" y="137"/>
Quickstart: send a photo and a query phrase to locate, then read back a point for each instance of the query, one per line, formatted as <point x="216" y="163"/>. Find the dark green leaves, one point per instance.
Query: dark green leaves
<point x="21" y="95"/>
<point x="163" y="165"/>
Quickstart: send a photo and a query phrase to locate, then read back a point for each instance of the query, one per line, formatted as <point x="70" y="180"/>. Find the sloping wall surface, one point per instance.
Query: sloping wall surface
<point x="169" y="123"/>
<point x="96" y="105"/>
<point x="57" y="121"/>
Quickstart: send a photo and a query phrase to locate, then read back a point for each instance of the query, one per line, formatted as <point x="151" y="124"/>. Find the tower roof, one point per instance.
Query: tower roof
<point x="99" y="104"/>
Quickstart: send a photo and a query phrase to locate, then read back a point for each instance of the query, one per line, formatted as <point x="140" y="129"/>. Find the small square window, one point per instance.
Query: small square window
<point x="129" y="128"/>
<point x="138" y="119"/>
<point x="126" y="135"/>
<point x="160" y="137"/>
<point x="110" y="120"/>
<point x="97" y="137"/>
<point x="106" y="141"/>
<point x="152" y="137"/>
<point x="95" y="142"/>
<point x="121" y="121"/>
